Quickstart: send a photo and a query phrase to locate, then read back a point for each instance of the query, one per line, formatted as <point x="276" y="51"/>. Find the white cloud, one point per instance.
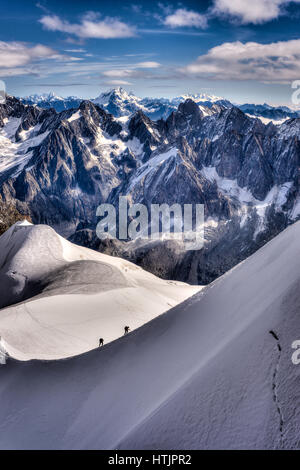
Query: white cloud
<point x="148" y="65"/>
<point x="91" y="26"/>
<point x="183" y="17"/>
<point x="133" y="71"/>
<point x="254" y="11"/>
<point x="19" y="58"/>
<point x="76" y="51"/>
<point x="117" y="82"/>
<point x="15" y="54"/>
<point x="273" y="62"/>
<point x="124" y="73"/>
<point x="16" y="71"/>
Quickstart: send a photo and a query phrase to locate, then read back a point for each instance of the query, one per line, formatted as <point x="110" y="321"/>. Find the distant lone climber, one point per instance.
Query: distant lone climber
<point x="126" y="330"/>
<point x="101" y="342"/>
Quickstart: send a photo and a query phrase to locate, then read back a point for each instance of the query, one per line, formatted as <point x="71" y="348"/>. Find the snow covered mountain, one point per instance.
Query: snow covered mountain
<point x="119" y="102"/>
<point x="269" y="113"/>
<point x="59" y="167"/>
<point x="202" y="99"/>
<point x="45" y="97"/>
<point x="67" y="297"/>
<point x="215" y="372"/>
<point x="50" y="100"/>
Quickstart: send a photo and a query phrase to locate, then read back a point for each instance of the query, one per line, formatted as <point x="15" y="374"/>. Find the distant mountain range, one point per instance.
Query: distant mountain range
<point x="58" y="167"/>
<point x="120" y="103"/>
<point x="50" y="100"/>
<point x="268" y="112"/>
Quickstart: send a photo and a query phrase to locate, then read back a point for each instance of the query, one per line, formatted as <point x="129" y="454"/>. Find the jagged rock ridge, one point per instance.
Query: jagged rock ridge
<point x="58" y="167"/>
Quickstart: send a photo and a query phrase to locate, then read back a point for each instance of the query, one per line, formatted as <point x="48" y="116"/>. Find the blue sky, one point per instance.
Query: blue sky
<point x="246" y="51"/>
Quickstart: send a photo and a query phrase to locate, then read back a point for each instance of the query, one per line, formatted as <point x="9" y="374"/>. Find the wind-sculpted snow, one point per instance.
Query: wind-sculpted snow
<point x="205" y="375"/>
<point x="68" y="297"/>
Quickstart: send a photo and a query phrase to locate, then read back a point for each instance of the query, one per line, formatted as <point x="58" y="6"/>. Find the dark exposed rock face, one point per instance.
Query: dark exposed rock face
<point x="63" y="165"/>
<point x="9" y="215"/>
<point x="269" y="112"/>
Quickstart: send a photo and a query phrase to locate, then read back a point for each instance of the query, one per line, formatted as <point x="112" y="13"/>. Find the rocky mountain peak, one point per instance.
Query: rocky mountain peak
<point x="58" y="167"/>
<point x="189" y="108"/>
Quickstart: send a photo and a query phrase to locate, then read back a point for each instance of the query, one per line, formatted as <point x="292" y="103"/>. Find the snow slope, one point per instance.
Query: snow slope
<point x="17" y="154"/>
<point x="207" y="374"/>
<point x="74" y="295"/>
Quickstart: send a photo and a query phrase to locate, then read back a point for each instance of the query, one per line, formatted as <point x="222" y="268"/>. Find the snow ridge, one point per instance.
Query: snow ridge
<point x="275" y="388"/>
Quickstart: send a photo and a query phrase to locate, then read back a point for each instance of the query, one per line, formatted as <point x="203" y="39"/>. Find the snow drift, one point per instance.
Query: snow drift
<point x="68" y="296"/>
<point x="213" y="372"/>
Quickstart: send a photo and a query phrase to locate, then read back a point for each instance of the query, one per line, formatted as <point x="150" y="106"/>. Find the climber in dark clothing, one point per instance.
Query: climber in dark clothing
<point x="126" y="330"/>
<point x="101" y="342"/>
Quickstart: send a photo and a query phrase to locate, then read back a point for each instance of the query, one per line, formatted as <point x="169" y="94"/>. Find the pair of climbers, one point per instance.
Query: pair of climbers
<point x="126" y="330"/>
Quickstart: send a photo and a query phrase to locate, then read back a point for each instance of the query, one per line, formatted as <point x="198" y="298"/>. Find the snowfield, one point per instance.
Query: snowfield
<point x="213" y="372"/>
<point x="68" y="296"/>
<point x="17" y="154"/>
